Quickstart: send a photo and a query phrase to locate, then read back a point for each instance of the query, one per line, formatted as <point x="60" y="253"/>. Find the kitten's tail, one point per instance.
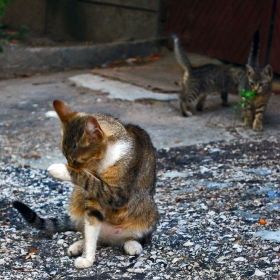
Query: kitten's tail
<point x="180" y="54"/>
<point x="49" y="226"/>
<point x="253" y="59"/>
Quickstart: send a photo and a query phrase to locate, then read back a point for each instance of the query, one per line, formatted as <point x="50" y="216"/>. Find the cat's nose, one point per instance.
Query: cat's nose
<point x="256" y="88"/>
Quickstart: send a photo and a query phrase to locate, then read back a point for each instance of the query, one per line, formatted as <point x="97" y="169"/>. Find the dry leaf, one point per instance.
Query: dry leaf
<point x="32" y="251"/>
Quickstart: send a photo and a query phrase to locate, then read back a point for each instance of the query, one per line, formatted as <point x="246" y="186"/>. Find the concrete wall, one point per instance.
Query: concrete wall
<point x="99" y="21"/>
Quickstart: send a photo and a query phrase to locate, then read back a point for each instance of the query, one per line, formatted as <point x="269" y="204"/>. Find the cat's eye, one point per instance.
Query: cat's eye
<point x="251" y="83"/>
<point x="261" y="84"/>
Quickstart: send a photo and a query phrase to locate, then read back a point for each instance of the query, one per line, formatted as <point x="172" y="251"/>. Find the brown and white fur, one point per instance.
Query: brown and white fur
<point x="112" y="167"/>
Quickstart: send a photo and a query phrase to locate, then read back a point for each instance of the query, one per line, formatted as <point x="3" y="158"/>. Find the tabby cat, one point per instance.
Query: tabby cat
<point x="112" y="167"/>
<point x="197" y="82"/>
<point x="258" y="80"/>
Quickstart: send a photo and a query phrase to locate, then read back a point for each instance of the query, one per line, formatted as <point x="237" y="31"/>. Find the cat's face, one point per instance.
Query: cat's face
<point x="259" y="80"/>
<point x="82" y="137"/>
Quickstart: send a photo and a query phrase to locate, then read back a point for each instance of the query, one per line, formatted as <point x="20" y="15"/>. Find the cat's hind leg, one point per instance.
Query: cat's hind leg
<point x="132" y="248"/>
<point x="224" y="97"/>
<point x="76" y="249"/>
<point x="185" y="112"/>
<point x="200" y="103"/>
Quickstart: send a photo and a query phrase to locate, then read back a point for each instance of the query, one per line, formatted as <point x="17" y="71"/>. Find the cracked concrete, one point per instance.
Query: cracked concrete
<point x="32" y="138"/>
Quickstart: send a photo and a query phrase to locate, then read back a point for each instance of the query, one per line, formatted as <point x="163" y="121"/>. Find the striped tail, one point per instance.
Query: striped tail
<point x="180" y="54"/>
<point x="253" y="59"/>
<point x="49" y="225"/>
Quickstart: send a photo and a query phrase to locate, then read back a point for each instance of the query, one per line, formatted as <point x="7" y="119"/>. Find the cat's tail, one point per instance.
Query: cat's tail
<point x="253" y="59"/>
<point x="180" y="54"/>
<point x="49" y="225"/>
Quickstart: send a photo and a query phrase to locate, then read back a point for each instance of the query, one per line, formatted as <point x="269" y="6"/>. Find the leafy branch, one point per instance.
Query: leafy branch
<point x="10" y="35"/>
<point x="246" y="96"/>
<point x="2" y="7"/>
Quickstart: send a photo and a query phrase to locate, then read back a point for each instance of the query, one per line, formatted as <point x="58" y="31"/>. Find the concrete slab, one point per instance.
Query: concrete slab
<point x="21" y="60"/>
<point x="161" y="75"/>
<point x="118" y="90"/>
<point x="30" y="136"/>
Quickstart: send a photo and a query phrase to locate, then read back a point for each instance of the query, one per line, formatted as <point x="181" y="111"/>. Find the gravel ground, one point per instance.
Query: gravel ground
<point x="211" y="198"/>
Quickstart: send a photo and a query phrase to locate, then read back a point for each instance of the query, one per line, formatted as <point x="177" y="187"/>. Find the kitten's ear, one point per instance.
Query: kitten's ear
<point x="63" y="111"/>
<point x="267" y="70"/>
<point x="249" y="69"/>
<point x="93" y="130"/>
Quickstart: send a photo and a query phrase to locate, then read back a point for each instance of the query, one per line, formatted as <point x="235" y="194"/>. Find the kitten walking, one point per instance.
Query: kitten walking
<point x="112" y="167"/>
<point x="258" y="80"/>
<point x="197" y="82"/>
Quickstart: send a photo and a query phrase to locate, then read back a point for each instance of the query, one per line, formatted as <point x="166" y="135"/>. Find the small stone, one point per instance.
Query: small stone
<point x="259" y="272"/>
<point x="188" y="243"/>
<point x="240" y="259"/>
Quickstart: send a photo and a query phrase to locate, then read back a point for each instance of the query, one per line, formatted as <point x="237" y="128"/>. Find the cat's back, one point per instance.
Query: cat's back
<point x="212" y="77"/>
<point x="143" y="161"/>
<point x="209" y="70"/>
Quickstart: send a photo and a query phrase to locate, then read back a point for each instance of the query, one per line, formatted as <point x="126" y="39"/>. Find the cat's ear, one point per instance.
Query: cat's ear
<point x="249" y="69"/>
<point x="63" y="111"/>
<point x="93" y="130"/>
<point x="267" y="70"/>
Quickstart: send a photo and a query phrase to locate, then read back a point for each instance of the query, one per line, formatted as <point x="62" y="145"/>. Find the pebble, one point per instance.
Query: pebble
<point x="259" y="272"/>
<point x="201" y="233"/>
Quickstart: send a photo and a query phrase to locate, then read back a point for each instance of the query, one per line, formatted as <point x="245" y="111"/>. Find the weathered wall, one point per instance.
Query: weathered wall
<point x="29" y="12"/>
<point x="99" y="21"/>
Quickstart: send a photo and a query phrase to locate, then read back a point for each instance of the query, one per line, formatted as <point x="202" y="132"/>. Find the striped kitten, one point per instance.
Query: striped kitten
<point x="258" y="80"/>
<point x="113" y="170"/>
<point x="199" y="81"/>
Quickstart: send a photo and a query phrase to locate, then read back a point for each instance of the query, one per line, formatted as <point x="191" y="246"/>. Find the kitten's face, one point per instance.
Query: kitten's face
<point x="259" y="80"/>
<point x="82" y="137"/>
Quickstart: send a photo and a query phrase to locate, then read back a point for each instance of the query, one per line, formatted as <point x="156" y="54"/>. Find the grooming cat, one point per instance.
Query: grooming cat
<point x="255" y="79"/>
<point x="112" y="167"/>
<point x="197" y="82"/>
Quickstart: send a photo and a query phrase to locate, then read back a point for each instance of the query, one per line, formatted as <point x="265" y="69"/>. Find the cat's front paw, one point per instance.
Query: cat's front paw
<point x="132" y="248"/>
<point x="81" y="262"/>
<point x="59" y="171"/>
<point x="257" y="127"/>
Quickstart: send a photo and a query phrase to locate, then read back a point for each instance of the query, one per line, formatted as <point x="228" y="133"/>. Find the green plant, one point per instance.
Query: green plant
<point x="245" y="97"/>
<point x="3" y="4"/>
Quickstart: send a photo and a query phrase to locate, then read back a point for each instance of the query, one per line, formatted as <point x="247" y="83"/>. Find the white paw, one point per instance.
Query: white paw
<point x="59" y="172"/>
<point x="81" y="262"/>
<point x="132" y="248"/>
<point x="76" y="249"/>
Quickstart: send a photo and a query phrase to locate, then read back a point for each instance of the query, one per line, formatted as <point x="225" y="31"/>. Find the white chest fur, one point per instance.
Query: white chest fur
<point x="114" y="153"/>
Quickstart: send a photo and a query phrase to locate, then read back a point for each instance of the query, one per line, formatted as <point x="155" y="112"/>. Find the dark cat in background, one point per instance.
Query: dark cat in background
<point x="259" y="81"/>
<point x="197" y="82"/>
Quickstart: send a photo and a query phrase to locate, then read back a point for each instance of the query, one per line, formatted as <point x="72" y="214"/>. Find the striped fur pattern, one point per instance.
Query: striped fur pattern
<point x="197" y="82"/>
<point x="112" y="167"/>
<point x="259" y="80"/>
<point x="49" y="226"/>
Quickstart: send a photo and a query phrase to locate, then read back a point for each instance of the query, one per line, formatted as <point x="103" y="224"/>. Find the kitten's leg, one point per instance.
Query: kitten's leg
<point x="247" y="115"/>
<point x="91" y="236"/>
<point x="59" y="171"/>
<point x="76" y="249"/>
<point x="184" y="108"/>
<point x="224" y="97"/>
<point x="132" y="248"/>
<point x="200" y="103"/>
<point x="258" y="122"/>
